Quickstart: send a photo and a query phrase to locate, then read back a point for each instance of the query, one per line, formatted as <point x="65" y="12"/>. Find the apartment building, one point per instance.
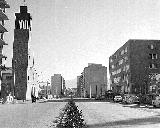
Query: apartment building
<point x="133" y="65"/>
<point x="57" y="85"/>
<point x="94" y="80"/>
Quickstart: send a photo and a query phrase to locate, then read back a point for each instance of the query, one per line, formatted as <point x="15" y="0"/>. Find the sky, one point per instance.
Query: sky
<point x="69" y="34"/>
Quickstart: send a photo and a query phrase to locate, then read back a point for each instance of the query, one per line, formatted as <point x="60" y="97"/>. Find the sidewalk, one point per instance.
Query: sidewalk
<point x="23" y="102"/>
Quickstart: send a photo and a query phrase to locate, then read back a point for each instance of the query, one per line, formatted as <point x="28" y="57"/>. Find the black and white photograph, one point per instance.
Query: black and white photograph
<point x="79" y="63"/>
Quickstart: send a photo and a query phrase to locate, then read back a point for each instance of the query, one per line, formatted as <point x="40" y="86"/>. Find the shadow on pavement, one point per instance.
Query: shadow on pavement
<point x="141" y="106"/>
<point x="129" y="122"/>
<point x="132" y="106"/>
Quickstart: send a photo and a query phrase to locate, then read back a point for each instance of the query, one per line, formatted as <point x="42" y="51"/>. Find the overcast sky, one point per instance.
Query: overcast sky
<point x="69" y="34"/>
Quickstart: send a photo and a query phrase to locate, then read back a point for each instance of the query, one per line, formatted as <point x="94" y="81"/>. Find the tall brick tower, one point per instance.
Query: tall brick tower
<point x="20" y="52"/>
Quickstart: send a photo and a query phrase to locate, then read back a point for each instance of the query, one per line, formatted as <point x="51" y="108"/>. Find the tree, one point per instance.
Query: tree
<point x="70" y="117"/>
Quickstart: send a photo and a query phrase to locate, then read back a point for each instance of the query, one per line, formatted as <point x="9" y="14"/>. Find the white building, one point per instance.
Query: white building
<point x="32" y="78"/>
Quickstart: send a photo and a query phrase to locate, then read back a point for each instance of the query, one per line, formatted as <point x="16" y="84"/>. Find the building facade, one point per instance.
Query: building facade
<point x="7" y="83"/>
<point x="32" y="77"/>
<point x="94" y="80"/>
<point x="44" y="89"/>
<point x="3" y="18"/>
<point x="20" y="52"/>
<point x="132" y="66"/>
<point x="80" y="86"/>
<point x="57" y="85"/>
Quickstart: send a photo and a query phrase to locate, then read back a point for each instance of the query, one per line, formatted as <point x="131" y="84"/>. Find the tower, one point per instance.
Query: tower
<point x="20" y="52"/>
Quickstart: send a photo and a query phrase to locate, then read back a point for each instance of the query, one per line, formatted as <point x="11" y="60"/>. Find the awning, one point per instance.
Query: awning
<point x="3" y="16"/>
<point x="4" y="4"/>
<point x="2" y="42"/>
<point x="2" y="29"/>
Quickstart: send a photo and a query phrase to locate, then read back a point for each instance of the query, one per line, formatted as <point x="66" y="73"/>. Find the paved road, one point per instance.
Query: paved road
<point x="29" y="115"/>
<point x="96" y="115"/>
<point x="114" y="115"/>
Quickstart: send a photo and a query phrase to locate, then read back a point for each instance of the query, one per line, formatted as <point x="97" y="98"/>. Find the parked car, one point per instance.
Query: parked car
<point x="130" y="99"/>
<point x="156" y="102"/>
<point x="117" y="98"/>
<point x="1" y="100"/>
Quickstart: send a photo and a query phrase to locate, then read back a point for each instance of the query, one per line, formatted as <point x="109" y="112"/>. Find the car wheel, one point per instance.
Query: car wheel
<point x="154" y="106"/>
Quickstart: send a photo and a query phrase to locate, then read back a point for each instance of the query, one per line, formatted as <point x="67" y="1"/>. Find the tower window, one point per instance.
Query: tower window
<point x="152" y="47"/>
<point x="153" y="56"/>
<point x="153" y="66"/>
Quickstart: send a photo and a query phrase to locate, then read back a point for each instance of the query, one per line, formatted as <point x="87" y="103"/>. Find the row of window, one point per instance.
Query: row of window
<point x="120" y="53"/>
<point x="125" y="59"/>
<point x="153" y="56"/>
<point x="125" y="69"/>
<point x="124" y="78"/>
<point x="151" y="46"/>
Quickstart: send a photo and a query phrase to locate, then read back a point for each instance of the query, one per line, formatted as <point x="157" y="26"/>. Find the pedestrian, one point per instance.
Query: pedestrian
<point x="32" y="97"/>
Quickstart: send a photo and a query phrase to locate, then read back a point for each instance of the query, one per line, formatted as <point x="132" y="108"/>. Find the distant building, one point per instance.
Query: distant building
<point x="44" y="89"/>
<point x="132" y="66"/>
<point x="7" y="83"/>
<point x="57" y="85"/>
<point x="74" y="92"/>
<point x="94" y="80"/>
<point x="80" y="86"/>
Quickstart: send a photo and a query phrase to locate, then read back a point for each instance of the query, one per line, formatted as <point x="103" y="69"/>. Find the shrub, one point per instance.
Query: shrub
<point x="70" y="117"/>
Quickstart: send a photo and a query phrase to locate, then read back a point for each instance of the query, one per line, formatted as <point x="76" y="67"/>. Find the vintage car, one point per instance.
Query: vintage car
<point x="117" y="98"/>
<point x="130" y="99"/>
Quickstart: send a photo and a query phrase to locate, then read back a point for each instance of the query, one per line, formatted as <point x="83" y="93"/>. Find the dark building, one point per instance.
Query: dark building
<point x="132" y="66"/>
<point x="57" y="85"/>
<point x="20" y="51"/>
<point x="93" y="81"/>
<point x="80" y="86"/>
<point x="7" y="83"/>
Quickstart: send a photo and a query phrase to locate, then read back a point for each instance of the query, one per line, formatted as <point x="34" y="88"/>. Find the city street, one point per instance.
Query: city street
<point x="96" y="115"/>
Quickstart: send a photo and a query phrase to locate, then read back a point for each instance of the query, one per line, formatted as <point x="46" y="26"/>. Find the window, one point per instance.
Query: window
<point x="28" y="77"/>
<point x="125" y="58"/>
<point x="112" y="66"/>
<point x="120" y="61"/>
<point x="8" y="77"/>
<point x="122" y="52"/>
<point x="126" y="50"/>
<point x="153" y="56"/>
<point x="152" y="47"/>
<point x="153" y="66"/>
<point x="111" y="60"/>
<point x="127" y="67"/>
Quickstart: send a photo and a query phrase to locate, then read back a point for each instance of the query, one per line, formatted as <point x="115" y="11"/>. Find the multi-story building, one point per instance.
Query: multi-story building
<point x="44" y="89"/>
<point x="132" y="66"/>
<point x="7" y="83"/>
<point x="32" y="77"/>
<point x="80" y="86"/>
<point x="94" y="80"/>
<point x="20" y="52"/>
<point x="57" y="85"/>
<point x="3" y="18"/>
